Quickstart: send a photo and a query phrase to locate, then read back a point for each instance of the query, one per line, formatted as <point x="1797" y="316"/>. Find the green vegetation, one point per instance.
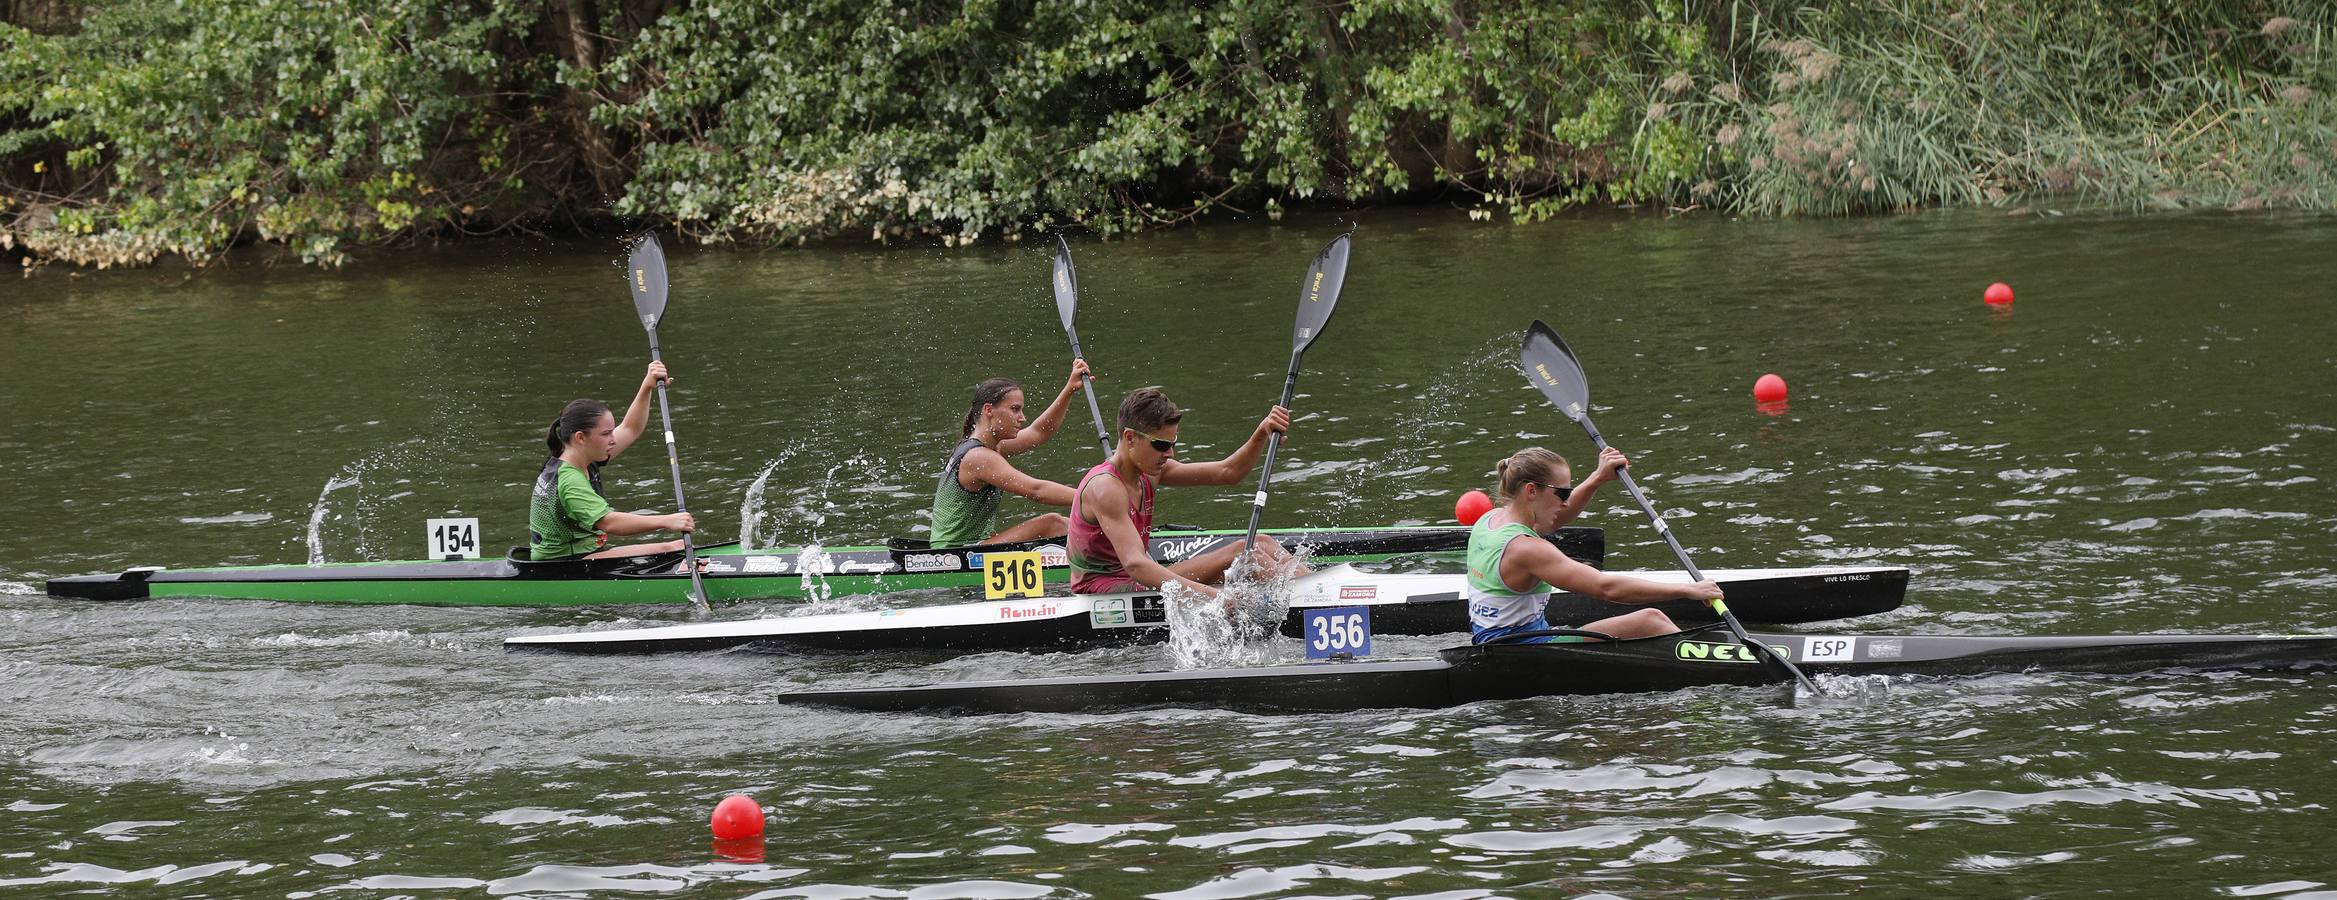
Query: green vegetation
<point x="135" y="129"/>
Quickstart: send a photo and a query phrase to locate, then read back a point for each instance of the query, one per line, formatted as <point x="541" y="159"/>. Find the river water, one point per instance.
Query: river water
<point x="2139" y="444"/>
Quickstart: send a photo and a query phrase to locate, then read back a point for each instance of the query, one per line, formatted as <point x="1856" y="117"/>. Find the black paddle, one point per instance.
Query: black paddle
<point x="1551" y="366"/>
<point x="645" y="266"/>
<point x="1316" y="298"/>
<point x="1067" y="306"/>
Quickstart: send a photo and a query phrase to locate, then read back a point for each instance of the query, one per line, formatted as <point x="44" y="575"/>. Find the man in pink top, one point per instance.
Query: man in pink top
<point x="1111" y="513"/>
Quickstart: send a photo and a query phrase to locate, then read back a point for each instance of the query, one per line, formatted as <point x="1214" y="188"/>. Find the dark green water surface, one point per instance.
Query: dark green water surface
<point x="2142" y="443"/>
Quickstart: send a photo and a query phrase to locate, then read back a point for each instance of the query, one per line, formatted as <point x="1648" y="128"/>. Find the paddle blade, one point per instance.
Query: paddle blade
<point x="645" y="279"/>
<point x="1320" y="294"/>
<point x="1551" y="366"/>
<point x="1066" y="283"/>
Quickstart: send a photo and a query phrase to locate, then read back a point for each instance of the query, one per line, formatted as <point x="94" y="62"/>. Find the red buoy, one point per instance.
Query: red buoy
<point x="738" y="816"/>
<point x="1769" y="389"/>
<point x="1471" y="507"/>
<point x="1999" y="294"/>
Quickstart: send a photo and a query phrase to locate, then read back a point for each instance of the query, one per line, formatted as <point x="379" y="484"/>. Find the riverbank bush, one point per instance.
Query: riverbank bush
<point x="147" y="128"/>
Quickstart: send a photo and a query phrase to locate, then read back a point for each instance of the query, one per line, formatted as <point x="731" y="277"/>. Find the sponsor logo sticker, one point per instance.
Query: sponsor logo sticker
<point x="1359" y="592"/>
<point x="1110" y="613"/>
<point x="1051" y="555"/>
<point x="1179" y="550"/>
<point x="1711" y="651"/>
<point x="930" y="562"/>
<point x="1026" y="610"/>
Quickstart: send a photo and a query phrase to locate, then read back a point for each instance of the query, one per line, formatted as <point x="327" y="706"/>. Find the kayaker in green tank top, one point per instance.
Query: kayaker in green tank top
<point x="1512" y="567"/>
<point x="567" y="515"/>
<point x="965" y="500"/>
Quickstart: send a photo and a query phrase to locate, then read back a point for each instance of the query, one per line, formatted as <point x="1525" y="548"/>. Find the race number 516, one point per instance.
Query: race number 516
<point x="1346" y="630"/>
<point x="1012" y="574"/>
<point x="452" y="538"/>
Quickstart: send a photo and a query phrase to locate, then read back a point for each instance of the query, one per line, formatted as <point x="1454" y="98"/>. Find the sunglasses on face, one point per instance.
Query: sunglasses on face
<point x="1564" y="493"/>
<point x="1161" y="444"/>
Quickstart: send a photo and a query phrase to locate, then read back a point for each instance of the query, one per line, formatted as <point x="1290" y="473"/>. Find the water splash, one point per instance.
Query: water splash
<point x="1844" y="689"/>
<point x="351" y="475"/>
<point x="1241" y="626"/>
<point x="1416" y="455"/>
<point x="815" y="564"/>
<point x="763" y="523"/>
<point x="750" y="509"/>
<point x="751" y="512"/>
<point x="387" y="468"/>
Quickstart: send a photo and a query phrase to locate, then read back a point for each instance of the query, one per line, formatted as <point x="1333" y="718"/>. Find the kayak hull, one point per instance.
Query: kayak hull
<point x="731" y="572"/>
<point x="1411" y="604"/>
<point x="1692" y="659"/>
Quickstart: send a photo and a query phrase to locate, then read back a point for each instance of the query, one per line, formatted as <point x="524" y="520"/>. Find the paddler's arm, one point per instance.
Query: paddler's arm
<point x="1109" y="499"/>
<point x="626" y="524"/>
<point x="637" y="415"/>
<point x="1529" y="559"/>
<point x="1045" y="425"/>
<point x="1577" y="500"/>
<point x="1232" y="469"/>
<point x="987" y="466"/>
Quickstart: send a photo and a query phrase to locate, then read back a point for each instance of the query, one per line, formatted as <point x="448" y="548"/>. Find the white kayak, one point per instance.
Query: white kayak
<point x="1400" y="603"/>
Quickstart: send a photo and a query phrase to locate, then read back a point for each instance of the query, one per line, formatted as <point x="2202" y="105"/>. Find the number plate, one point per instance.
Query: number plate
<point x="1346" y="629"/>
<point x="1012" y="575"/>
<point x="451" y="538"/>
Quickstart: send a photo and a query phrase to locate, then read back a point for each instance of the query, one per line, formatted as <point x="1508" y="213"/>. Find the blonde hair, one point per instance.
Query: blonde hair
<point x="1532" y="464"/>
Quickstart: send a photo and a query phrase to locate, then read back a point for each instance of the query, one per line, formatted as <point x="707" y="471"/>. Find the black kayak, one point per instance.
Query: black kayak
<point x="1694" y="658"/>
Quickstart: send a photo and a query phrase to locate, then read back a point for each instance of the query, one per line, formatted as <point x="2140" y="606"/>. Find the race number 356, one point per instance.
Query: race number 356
<point x="1012" y="575"/>
<point x="1342" y="631"/>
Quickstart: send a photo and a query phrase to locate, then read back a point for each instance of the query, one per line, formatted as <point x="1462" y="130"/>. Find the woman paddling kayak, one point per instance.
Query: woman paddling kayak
<point x="1512" y="567"/>
<point x="965" y="501"/>
<point x="568" y="515"/>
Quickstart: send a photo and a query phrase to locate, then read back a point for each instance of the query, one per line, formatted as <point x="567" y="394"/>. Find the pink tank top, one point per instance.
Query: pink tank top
<point x="1095" y="563"/>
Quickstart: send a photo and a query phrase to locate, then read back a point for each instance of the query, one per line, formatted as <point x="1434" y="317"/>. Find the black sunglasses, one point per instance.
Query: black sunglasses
<point x="1164" y="446"/>
<point x="1564" y="493"/>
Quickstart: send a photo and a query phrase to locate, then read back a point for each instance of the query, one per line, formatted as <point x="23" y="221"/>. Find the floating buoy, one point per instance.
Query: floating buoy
<point x="1769" y="389"/>
<point x="1999" y="294"/>
<point x="737" y="817"/>
<point x="1471" y="507"/>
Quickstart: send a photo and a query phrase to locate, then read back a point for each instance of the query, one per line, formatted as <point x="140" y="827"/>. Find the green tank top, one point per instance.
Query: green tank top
<point x="960" y="516"/>
<point x="561" y="511"/>
<point x="1491" y="603"/>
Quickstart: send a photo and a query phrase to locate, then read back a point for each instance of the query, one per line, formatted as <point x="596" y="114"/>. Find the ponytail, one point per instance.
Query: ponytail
<point x="1532" y="464"/>
<point x="986" y="393"/>
<point x="577" y="416"/>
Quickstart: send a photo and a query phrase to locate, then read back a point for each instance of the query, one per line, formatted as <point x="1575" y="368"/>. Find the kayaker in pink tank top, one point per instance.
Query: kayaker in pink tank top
<point x="1111" y="513"/>
<point x="1095" y="566"/>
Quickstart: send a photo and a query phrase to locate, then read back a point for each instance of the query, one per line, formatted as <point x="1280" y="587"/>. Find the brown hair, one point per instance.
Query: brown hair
<point x="1148" y="410"/>
<point x="578" y="416"/>
<point x="1534" y="464"/>
<point x="986" y="393"/>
